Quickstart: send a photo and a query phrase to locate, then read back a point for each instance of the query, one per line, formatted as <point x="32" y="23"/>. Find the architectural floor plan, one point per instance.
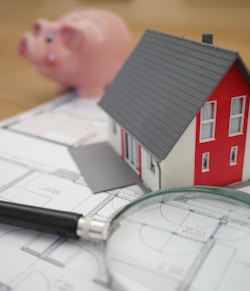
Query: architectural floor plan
<point x="37" y="169"/>
<point x="191" y="242"/>
<point x="67" y="120"/>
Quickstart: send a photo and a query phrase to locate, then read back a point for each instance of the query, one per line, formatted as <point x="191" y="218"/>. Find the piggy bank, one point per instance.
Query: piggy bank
<point x="83" y="49"/>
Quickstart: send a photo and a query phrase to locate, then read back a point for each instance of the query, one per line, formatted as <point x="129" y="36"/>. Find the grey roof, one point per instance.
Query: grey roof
<point x="163" y="85"/>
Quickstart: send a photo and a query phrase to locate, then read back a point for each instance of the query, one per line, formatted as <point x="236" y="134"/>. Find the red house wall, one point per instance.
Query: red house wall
<point x="221" y="173"/>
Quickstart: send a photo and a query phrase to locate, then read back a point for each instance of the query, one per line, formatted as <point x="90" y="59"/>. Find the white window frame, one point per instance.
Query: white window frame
<point x="207" y="121"/>
<point x="207" y="168"/>
<point x="151" y="164"/>
<point x="132" y="152"/>
<point x="235" y="160"/>
<point x="238" y="115"/>
<point x="114" y="127"/>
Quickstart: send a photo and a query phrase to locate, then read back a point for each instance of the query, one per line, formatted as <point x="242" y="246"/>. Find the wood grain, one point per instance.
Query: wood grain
<point x="23" y="88"/>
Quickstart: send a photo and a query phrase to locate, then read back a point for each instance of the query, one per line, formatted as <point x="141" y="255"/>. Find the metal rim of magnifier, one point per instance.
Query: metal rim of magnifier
<point x="215" y="191"/>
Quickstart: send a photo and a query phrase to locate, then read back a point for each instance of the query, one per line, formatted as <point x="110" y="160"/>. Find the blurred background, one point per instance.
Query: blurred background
<point x="22" y="88"/>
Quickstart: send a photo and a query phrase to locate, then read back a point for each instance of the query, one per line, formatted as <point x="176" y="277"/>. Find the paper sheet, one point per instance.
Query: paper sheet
<point x="37" y="169"/>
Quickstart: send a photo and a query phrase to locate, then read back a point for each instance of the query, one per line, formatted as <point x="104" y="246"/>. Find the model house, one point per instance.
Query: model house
<point x="179" y="112"/>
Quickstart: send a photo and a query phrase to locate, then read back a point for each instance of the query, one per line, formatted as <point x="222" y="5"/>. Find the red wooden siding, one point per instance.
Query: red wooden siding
<point x="220" y="172"/>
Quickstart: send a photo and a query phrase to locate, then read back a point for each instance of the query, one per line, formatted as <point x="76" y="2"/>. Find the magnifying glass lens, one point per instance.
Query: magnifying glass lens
<point x="181" y="240"/>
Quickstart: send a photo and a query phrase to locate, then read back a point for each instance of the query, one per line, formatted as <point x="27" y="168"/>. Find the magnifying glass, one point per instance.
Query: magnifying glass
<point x="191" y="238"/>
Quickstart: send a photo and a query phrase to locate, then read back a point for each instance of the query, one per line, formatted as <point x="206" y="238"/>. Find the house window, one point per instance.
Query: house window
<point x="208" y="113"/>
<point x="205" y="162"/>
<point x="151" y="163"/>
<point x="233" y="156"/>
<point x="114" y="127"/>
<point x="132" y="151"/>
<point x="237" y="115"/>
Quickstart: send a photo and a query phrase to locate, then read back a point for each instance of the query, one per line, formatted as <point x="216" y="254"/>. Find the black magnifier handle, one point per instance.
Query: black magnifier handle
<point x="63" y="223"/>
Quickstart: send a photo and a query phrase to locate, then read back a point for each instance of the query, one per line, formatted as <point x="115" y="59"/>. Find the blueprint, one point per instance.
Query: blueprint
<point x="68" y="120"/>
<point x="37" y="169"/>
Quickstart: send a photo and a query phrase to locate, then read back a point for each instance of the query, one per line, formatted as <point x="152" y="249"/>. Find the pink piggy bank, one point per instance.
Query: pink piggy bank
<point x="83" y="49"/>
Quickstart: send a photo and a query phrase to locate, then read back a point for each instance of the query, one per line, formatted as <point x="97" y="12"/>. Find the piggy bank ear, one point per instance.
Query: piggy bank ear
<point x="39" y="25"/>
<point x="71" y="36"/>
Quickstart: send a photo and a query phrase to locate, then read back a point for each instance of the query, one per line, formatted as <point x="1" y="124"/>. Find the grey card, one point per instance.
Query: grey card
<point x="102" y="168"/>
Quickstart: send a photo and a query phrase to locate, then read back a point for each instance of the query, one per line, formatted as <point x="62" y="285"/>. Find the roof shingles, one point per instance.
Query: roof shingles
<point x="162" y="86"/>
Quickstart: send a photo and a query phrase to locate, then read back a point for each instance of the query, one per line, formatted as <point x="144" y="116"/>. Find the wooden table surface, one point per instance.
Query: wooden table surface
<point x="23" y="88"/>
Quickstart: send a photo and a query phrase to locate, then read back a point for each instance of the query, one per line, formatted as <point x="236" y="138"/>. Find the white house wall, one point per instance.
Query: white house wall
<point x="115" y="137"/>
<point x="246" y="167"/>
<point x="178" y="168"/>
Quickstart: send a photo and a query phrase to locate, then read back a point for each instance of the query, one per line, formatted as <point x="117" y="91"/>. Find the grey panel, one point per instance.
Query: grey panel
<point x="162" y="86"/>
<point x="102" y="168"/>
